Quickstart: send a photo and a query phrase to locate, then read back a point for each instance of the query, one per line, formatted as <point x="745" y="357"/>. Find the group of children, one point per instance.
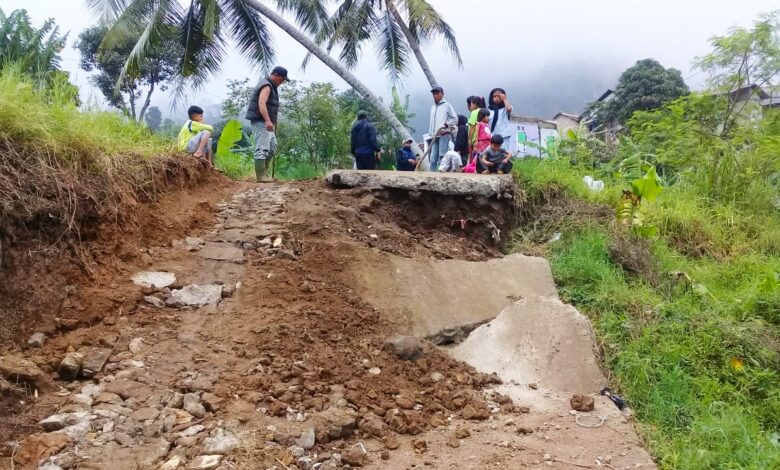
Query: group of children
<point x="479" y="144"/>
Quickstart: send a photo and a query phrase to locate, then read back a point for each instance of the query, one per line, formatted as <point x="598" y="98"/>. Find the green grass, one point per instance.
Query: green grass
<point x="238" y="166"/>
<point x="235" y="166"/>
<point x="673" y="347"/>
<point x="48" y="119"/>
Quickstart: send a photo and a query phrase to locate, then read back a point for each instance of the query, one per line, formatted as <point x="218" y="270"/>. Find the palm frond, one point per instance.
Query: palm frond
<point x="425" y="22"/>
<point x="107" y="11"/>
<point x="309" y="14"/>
<point x="161" y="18"/>
<point x="393" y="48"/>
<point x="250" y="32"/>
<point x="202" y="53"/>
<point x="353" y="24"/>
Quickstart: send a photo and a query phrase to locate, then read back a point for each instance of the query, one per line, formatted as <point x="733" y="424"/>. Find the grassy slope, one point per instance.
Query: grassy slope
<point x="61" y="167"/>
<point x="698" y="360"/>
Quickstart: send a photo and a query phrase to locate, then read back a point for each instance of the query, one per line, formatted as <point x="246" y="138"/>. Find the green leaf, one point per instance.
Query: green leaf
<point x="648" y="187"/>
<point x="231" y="134"/>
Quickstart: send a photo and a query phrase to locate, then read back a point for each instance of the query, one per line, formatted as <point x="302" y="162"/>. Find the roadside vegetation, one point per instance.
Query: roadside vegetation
<point x="64" y="169"/>
<point x="677" y="260"/>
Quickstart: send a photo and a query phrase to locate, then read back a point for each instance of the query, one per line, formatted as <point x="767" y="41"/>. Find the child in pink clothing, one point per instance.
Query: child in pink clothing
<point x="482" y="140"/>
<point x="483" y="131"/>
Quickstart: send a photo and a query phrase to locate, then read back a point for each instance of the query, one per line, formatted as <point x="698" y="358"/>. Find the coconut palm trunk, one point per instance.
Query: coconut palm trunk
<point x="340" y="70"/>
<point x="412" y="43"/>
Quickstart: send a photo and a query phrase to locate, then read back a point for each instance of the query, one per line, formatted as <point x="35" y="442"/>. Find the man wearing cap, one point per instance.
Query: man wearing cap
<point x="443" y="124"/>
<point x="363" y="141"/>
<point x="262" y="112"/>
<point x="405" y="160"/>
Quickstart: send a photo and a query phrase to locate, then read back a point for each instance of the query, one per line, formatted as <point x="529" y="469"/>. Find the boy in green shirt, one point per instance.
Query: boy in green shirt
<point x="195" y="137"/>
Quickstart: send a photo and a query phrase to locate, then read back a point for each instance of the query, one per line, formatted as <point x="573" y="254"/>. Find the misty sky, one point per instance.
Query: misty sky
<point x="550" y="56"/>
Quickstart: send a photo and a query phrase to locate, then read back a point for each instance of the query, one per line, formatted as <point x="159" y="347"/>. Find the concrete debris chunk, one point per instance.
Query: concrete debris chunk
<point x="154" y="279"/>
<point x="197" y="296"/>
<point x="36" y="340"/>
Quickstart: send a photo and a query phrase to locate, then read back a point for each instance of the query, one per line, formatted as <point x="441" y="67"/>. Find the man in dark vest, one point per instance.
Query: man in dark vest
<point x="262" y="112"/>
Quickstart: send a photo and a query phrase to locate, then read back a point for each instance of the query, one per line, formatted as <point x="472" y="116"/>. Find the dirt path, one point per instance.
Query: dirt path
<point x="284" y="363"/>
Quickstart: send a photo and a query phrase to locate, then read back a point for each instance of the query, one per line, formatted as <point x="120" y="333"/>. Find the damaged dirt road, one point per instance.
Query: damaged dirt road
<point x="275" y="339"/>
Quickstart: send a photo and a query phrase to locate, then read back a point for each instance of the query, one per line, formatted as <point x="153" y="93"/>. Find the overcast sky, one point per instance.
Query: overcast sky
<point x="531" y="44"/>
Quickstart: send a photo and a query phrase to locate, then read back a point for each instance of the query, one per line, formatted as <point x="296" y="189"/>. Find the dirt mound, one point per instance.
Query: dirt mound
<point x="54" y="276"/>
<point x="410" y="224"/>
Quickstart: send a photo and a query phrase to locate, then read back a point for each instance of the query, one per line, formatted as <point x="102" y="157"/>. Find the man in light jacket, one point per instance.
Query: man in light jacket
<point x="443" y="125"/>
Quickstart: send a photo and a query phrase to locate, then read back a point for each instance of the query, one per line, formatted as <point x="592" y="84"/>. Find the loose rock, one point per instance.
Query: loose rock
<point x="205" y="462"/>
<point x="355" y="457"/>
<point x="70" y="366"/>
<point x="62" y="420"/>
<point x="222" y="442"/>
<point x="173" y="463"/>
<point x="136" y="345"/>
<point x="36" y="340"/>
<point x="193" y="406"/>
<point x="475" y="411"/>
<point x="154" y="301"/>
<point x="124" y="439"/>
<point x="129" y="389"/>
<point x="154" y="279"/>
<point x="582" y="402"/>
<point x="408" y="348"/>
<point x="94" y="361"/>
<point x="462" y="433"/>
<point x="373" y="426"/>
<point x="40" y="446"/>
<point x="306" y="441"/>
<point x="17" y="369"/>
<point x="196" y="296"/>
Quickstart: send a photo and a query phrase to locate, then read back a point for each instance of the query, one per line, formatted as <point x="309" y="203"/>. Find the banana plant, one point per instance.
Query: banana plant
<point x="632" y="210"/>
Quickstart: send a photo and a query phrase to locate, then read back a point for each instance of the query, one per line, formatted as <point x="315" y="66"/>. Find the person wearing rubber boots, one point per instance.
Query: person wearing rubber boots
<point x="262" y="112"/>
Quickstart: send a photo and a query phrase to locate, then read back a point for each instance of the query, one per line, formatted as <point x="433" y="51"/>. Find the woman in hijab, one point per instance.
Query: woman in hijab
<point x="501" y="109"/>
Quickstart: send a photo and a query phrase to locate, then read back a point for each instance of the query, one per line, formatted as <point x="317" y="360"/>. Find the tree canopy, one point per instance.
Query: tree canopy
<point x="645" y="86"/>
<point x="134" y="92"/>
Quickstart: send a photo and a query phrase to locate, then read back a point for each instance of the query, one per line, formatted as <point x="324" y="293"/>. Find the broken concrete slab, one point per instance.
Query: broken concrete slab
<point x="154" y="279"/>
<point x="423" y="290"/>
<point x="197" y="296"/>
<point x="536" y="340"/>
<point x="222" y="252"/>
<point x="450" y="184"/>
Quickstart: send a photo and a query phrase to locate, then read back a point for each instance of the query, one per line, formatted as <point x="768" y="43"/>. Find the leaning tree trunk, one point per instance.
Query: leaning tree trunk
<point x="146" y="103"/>
<point x="335" y="66"/>
<point x="412" y="42"/>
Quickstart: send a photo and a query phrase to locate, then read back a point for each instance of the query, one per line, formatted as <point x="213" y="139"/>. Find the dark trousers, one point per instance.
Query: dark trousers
<point x="365" y="161"/>
<point x="505" y="167"/>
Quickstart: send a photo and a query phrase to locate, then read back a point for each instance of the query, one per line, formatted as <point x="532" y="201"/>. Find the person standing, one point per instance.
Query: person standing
<point x="365" y="148"/>
<point x="501" y="109"/>
<point x="462" y="139"/>
<point x="263" y="113"/>
<point x="443" y="124"/>
<point x="474" y="104"/>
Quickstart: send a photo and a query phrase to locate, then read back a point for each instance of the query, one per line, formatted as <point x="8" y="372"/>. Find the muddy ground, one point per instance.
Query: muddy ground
<point x="292" y="367"/>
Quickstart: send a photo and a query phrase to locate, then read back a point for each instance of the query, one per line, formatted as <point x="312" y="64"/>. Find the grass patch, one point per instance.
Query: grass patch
<point x="240" y="166"/>
<point x="697" y="352"/>
<point x="63" y="171"/>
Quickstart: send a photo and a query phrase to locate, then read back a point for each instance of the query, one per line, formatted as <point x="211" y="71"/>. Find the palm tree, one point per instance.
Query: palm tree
<point x="202" y="28"/>
<point x="358" y="21"/>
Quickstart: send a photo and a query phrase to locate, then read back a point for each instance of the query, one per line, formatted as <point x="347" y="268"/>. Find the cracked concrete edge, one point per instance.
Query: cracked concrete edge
<point x="449" y="184"/>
